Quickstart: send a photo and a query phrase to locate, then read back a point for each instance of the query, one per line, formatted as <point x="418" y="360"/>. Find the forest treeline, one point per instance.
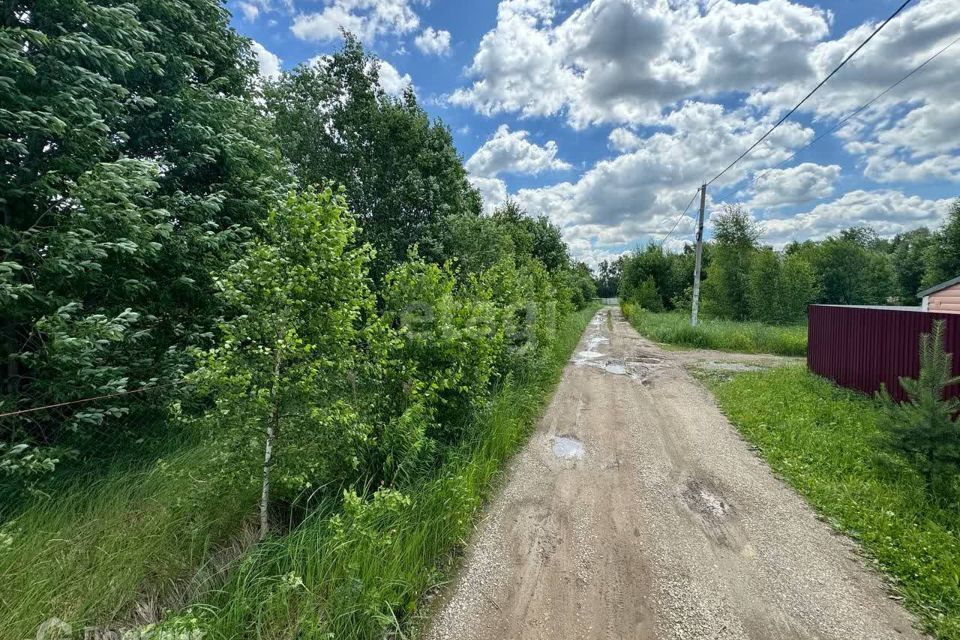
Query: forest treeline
<point x="297" y="267"/>
<point x="745" y="280"/>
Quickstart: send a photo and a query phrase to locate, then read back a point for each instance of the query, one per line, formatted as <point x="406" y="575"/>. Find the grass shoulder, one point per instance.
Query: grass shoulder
<point x="828" y="444"/>
<point x="673" y="329"/>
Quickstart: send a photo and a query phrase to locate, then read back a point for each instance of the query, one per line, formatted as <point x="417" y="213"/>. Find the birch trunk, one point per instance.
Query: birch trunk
<point x="272" y="426"/>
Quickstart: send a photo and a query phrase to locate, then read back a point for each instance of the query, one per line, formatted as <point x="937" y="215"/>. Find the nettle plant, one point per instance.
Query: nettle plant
<point x="283" y="367"/>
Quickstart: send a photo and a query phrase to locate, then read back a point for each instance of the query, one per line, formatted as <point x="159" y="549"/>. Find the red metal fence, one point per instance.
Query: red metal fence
<point x="864" y="347"/>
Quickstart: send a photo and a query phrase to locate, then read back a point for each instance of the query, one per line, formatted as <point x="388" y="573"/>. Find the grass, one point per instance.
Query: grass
<point x="101" y="547"/>
<point x="826" y="442"/>
<point x="162" y="536"/>
<point x="364" y="572"/>
<point x="725" y="335"/>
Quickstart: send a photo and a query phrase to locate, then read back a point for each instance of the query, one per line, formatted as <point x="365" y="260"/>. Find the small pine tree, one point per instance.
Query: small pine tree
<point x="924" y="428"/>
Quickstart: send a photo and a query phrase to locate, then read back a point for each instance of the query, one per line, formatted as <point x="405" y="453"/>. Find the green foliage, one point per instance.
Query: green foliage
<point x="133" y="534"/>
<point x="148" y="248"/>
<point x="943" y="254"/>
<point x="653" y="278"/>
<point x="779" y="288"/>
<point x="296" y="300"/>
<point x="362" y="571"/>
<point x="831" y="445"/>
<point x="134" y="159"/>
<point x="849" y="271"/>
<point x="647" y="296"/>
<point x="925" y="428"/>
<point x="401" y="171"/>
<point x="725" y="335"/>
<point x="725" y="288"/>
<point x="909" y="256"/>
<point x="744" y="281"/>
<point x="608" y="277"/>
<point x="447" y="343"/>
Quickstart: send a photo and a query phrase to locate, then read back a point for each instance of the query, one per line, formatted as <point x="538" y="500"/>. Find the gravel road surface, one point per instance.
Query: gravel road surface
<point x="636" y="511"/>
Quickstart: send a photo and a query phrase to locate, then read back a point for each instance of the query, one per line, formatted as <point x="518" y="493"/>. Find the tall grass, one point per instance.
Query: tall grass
<point x="725" y="335"/>
<point x="116" y="549"/>
<point x="827" y="442"/>
<point x="97" y="550"/>
<point x="363" y="572"/>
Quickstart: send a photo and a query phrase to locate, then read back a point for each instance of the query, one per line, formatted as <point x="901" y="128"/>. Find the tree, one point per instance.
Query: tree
<point x="943" y="255"/>
<point x="909" y="262"/>
<point x="608" y="277"/>
<point x="289" y="347"/>
<point x="534" y="237"/>
<point x="134" y="162"/>
<point x="925" y="427"/>
<point x="797" y="289"/>
<point x="647" y="273"/>
<point x="779" y="288"/>
<point x="735" y="238"/>
<point x="849" y="272"/>
<point x="401" y="172"/>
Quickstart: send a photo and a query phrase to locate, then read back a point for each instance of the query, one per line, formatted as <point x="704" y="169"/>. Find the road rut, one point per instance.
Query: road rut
<point x="636" y="511"/>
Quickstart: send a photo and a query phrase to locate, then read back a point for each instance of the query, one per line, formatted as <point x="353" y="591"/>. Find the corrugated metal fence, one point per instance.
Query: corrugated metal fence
<point x="864" y="347"/>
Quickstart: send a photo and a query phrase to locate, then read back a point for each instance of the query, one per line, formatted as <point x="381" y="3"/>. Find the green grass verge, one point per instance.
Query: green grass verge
<point x="95" y="549"/>
<point x="364" y="573"/>
<point x="161" y="535"/>
<point x="725" y="335"/>
<point x="826" y="442"/>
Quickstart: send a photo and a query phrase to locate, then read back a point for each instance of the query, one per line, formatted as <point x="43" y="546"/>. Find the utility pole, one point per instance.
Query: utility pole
<point x="696" y="268"/>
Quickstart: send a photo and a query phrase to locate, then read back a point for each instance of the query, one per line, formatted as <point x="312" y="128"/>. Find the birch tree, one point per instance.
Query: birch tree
<point x="276" y="381"/>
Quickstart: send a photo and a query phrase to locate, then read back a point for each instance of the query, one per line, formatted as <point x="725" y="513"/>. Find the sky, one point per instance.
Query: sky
<point x="607" y="115"/>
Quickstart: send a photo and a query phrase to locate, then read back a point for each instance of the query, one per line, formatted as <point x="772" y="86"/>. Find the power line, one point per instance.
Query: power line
<point x="814" y="90"/>
<point x="84" y="400"/>
<point x="857" y="111"/>
<point x="680" y="217"/>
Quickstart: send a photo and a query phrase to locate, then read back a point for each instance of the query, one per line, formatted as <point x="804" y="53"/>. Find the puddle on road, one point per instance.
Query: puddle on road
<point x="567" y="448"/>
<point x="616" y="368"/>
<point x="589" y="354"/>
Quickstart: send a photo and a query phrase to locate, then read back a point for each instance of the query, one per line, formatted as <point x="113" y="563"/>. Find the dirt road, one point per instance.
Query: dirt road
<point x="636" y="511"/>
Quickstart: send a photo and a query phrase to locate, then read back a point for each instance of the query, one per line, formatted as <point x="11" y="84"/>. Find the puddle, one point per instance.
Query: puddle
<point x="616" y="368"/>
<point x="589" y="354"/>
<point x="567" y="448"/>
<point x="596" y="341"/>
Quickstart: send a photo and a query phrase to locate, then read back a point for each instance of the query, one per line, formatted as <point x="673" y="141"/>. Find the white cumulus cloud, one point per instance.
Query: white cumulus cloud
<point x="794" y="185"/>
<point x="512" y="152"/>
<point x="888" y="211"/>
<point x="367" y="19"/>
<point x="268" y="61"/>
<point x="433" y="42"/>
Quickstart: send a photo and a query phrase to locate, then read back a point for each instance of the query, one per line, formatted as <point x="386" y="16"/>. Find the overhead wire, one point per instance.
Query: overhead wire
<point x="812" y="91"/>
<point x="680" y="217"/>
<point x="857" y="111"/>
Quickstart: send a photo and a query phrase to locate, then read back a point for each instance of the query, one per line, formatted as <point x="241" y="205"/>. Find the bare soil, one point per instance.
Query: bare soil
<point x="636" y="511"/>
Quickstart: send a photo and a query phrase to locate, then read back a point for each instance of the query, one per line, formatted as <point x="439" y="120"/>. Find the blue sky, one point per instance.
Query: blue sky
<point x="605" y="115"/>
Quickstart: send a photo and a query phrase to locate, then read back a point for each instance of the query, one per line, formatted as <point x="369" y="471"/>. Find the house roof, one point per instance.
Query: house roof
<point x="938" y="287"/>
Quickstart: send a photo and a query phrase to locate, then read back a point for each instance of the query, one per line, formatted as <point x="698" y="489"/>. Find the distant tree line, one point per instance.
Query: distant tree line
<point x="745" y="280"/>
<point x="299" y="265"/>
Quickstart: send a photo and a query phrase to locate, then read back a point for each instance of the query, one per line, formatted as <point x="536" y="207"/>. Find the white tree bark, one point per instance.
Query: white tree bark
<point x="272" y="426"/>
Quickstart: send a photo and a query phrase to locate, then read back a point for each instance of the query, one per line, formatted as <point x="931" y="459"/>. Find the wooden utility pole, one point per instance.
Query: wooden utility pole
<point x="696" y="268"/>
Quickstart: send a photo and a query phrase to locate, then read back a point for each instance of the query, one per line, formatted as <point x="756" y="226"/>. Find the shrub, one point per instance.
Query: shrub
<point x="924" y="427"/>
